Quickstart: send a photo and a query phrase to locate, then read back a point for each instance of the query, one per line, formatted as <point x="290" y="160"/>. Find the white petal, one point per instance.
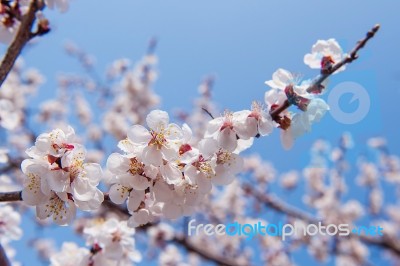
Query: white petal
<point x="247" y="128"/>
<point x="32" y="194"/>
<point x="157" y="120"/>
<point x="93" y="172"/>
<point x="169" y="154"/>
<point x="207" y="147"/>
<point x="152" y="156"/>
<point x="265" y="125"/>
<point x="174" y="133"/>
<point x="118" y="193"/>
<point x="222" y="176"/>
<point x="134" y="200"/>
<point x="187" y="133"/>
<point x="141" y="217"/>
<point x="280" y="79"/>
<point x="117" y="163"/>
<point x="82" y="190"/>
<point x="243" y="144"/>
<point x="213" y="127"/>
<point x="151" y="171"/>
<point x="162" y="192"/>
<point x="227" y="139"/>
<point x="171" y="174"/>
<point x="274" y="96"/>
<point x="191" y="174"/>
<point x="93" y="203"/>
<point x="139" y="182"/>
<point x="139" y="135"/>
<point x="58" y="180"/>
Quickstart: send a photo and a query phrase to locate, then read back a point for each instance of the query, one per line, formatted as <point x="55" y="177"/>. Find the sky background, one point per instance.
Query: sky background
<point x="241" y="43"/>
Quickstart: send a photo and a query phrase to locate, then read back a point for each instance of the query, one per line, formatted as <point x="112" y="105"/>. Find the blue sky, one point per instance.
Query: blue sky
<point x="242" y="43"/>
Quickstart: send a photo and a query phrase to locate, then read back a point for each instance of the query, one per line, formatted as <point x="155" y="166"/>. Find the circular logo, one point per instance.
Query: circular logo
<point x="359" y="93"/>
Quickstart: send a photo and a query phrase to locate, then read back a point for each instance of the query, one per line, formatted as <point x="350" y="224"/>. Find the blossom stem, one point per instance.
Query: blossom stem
<point x="316" y="85"/>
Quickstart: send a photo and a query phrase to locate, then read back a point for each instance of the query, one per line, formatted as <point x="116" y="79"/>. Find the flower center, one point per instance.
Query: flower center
<point x="136" y="167"/>
<point x="256" y="109"/>
<point x="158" y="139"/>
<point x="228" y="116"/>
<point x="203" y="166"/>
<point x="223" y="157"/>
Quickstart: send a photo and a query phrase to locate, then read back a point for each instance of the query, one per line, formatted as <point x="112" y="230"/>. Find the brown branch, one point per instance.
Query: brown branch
<point x="22" y="37"/>
<point x="3" y="257"/>
<point x="10" y="196"/>
<point x="207" y="112"/>
<point x="284" y="208"/>
<point x="316" y="85"/>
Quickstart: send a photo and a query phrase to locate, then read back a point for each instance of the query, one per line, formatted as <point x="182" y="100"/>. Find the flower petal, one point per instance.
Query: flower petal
<point x="157" y="120"/>
<point x="227" y="139"/>
<point x="139" y="135"/>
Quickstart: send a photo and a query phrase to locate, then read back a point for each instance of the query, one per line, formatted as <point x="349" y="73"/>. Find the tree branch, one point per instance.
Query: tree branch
<point x="316" y="85"/>
<point x="22" y="37"/>
<point x="3" y="257"/>
<point x="10" y="196"/>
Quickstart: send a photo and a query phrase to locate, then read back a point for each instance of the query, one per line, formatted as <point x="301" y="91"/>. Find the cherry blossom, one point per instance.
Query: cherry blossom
<point x="70" y="255"/>
<point x="57" y="179"/>
<point x="9" y="224"/>
<point x="9" y="116"/>
<point x="160" y="142"/>
<point x="324" y="48"/>
<point x="228" y="128"/>
<point x="112" y="242"/>
<point x="165" y="171"/>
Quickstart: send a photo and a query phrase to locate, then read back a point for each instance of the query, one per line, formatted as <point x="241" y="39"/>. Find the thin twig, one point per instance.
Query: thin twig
<point x="208" y="112"/>
<point x="23" y="36"/>
<point x="317" y="83"/>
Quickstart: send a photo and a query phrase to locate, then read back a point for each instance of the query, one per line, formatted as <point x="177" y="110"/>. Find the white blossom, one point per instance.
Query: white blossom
<point x="323" y="48"/>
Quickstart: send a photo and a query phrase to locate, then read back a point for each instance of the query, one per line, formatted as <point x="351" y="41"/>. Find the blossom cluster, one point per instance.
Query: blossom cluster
<point x="164" y="170"/>
<point x="162" y="173"/>
<point x="57" y="179"/>
<point x="111" y="243"/>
